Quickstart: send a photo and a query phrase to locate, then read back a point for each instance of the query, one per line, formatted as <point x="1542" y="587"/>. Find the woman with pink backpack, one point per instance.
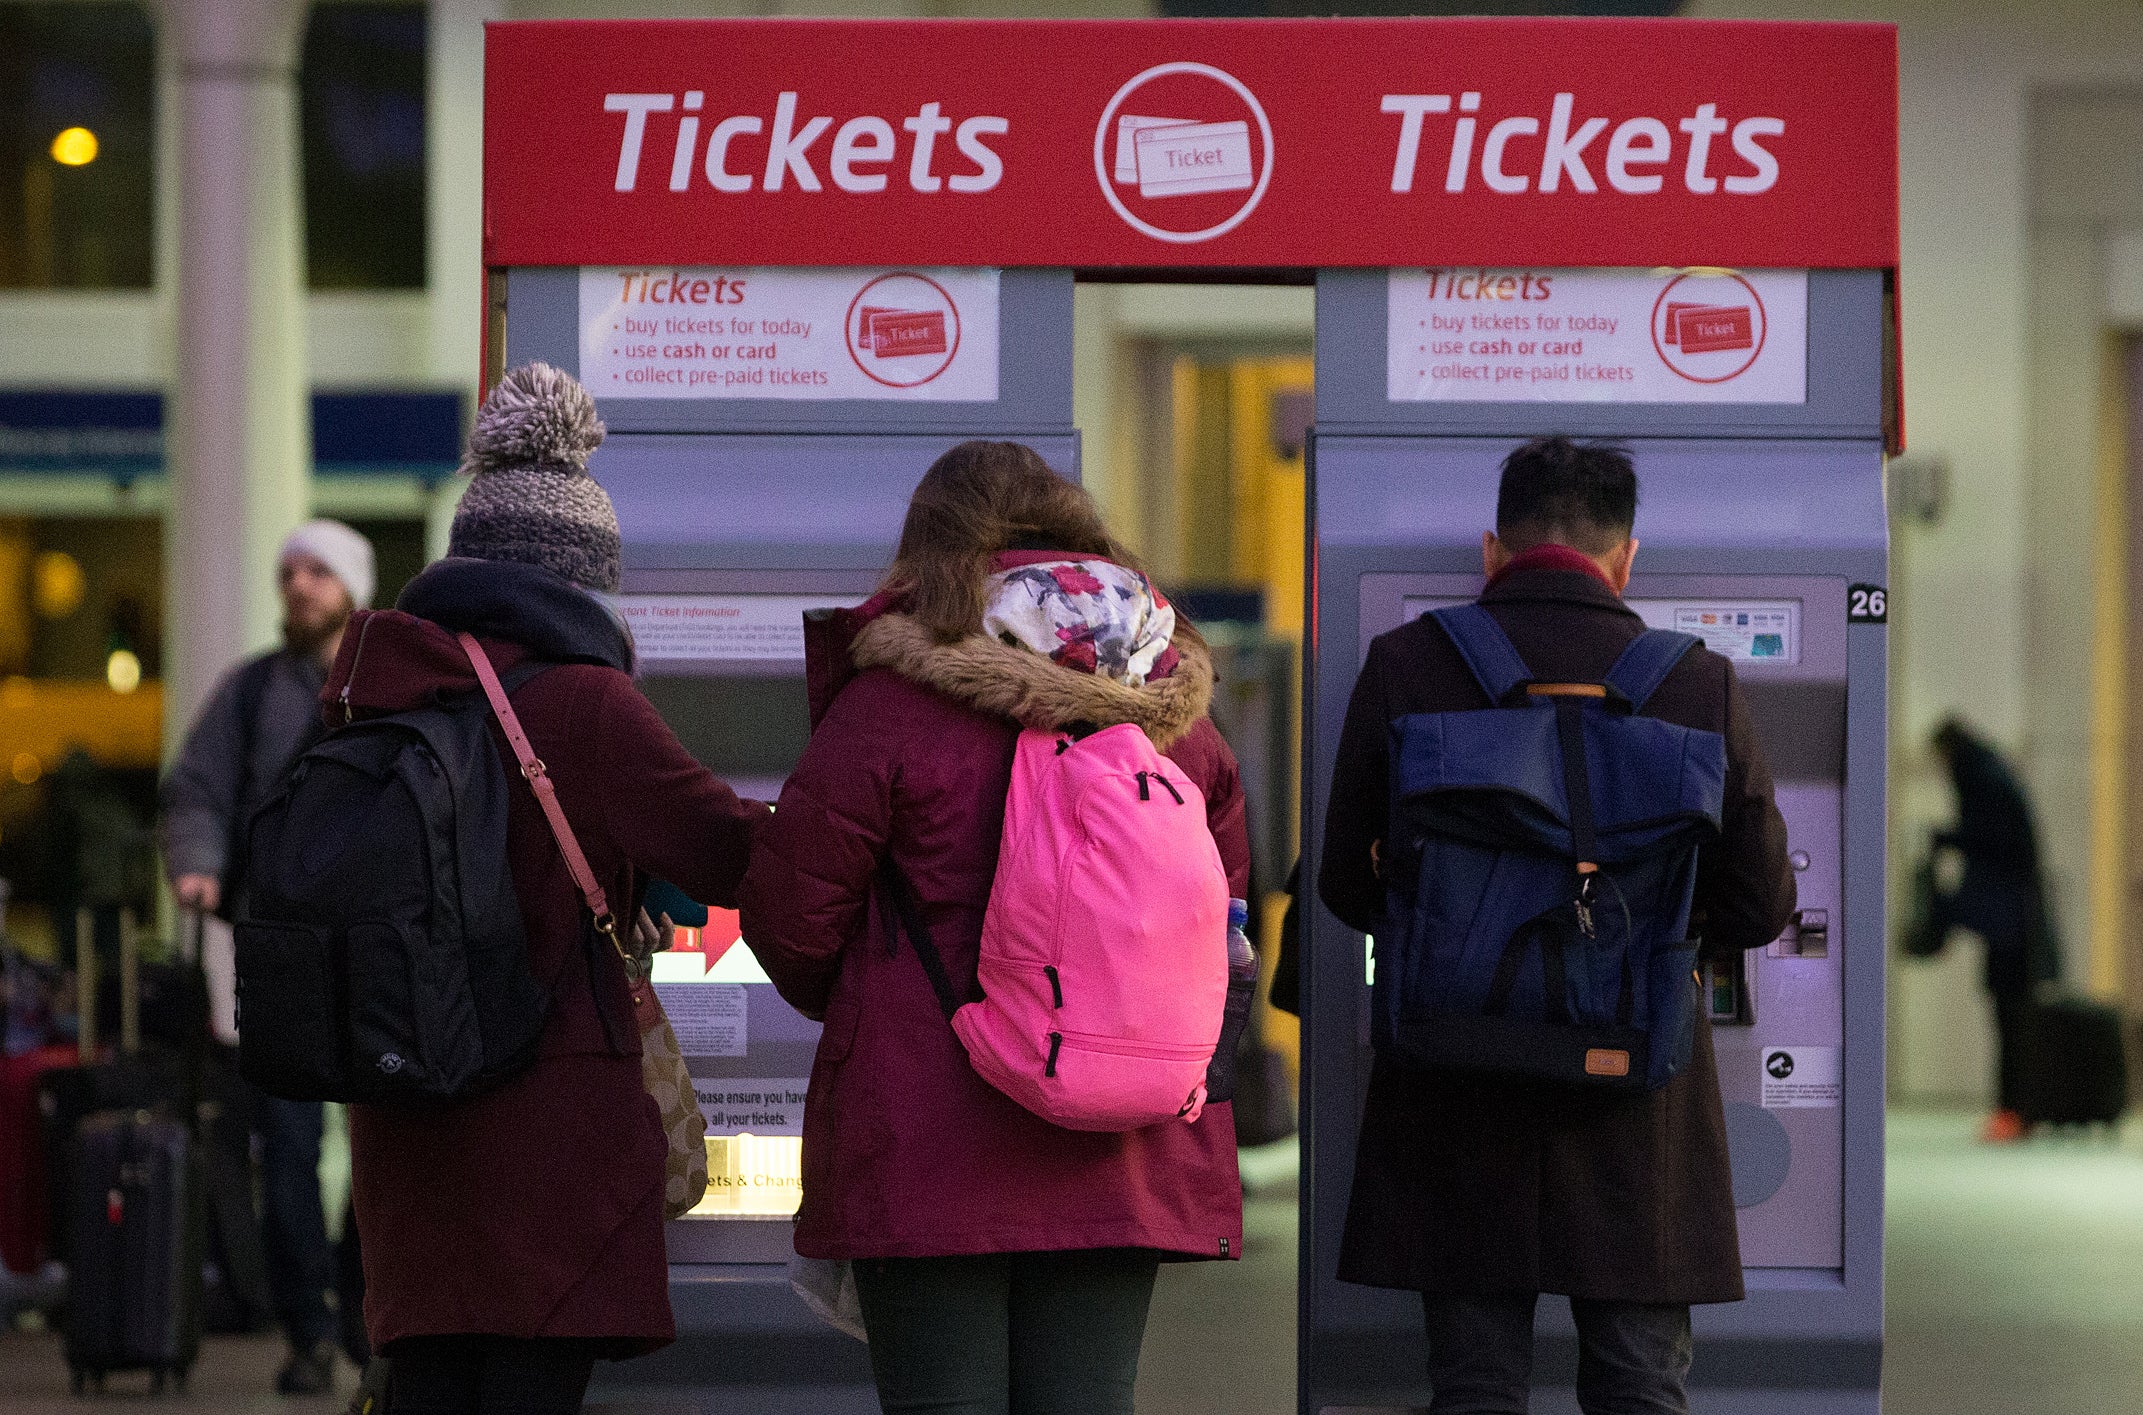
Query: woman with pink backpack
<point x="1008" y="1128"/>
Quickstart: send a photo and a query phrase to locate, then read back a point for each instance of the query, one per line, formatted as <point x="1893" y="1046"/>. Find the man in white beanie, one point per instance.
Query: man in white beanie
<point x="261" y="715"/>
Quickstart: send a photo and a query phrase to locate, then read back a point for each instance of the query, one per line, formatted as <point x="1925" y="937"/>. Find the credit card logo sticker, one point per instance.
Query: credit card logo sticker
<point x="1192" y="159"/>
<point x="903" y="329"/>
<point x="1711" y="340"/>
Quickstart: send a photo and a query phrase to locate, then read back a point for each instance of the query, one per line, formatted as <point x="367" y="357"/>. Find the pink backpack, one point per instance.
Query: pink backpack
<point x="1104" y="965"/>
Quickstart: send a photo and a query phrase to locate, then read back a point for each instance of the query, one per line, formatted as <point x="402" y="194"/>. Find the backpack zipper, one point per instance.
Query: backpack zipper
<point x="1056" y="1041"/>
<point x="1056" y="985"/>
<point x="357" y="656"/>
<point x="1115" y="1046"/>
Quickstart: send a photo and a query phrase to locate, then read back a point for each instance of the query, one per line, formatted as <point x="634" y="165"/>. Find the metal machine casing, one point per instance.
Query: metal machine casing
<point x="786" y="503"/>
<point x="1739" y="504"/>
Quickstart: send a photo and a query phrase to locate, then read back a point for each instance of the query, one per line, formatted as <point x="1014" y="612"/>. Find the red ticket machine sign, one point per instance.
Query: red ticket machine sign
<point x="1204" y="143"/>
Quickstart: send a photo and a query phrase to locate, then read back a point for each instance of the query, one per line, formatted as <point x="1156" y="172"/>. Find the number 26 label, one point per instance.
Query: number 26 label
<point x="1867" y="604"/>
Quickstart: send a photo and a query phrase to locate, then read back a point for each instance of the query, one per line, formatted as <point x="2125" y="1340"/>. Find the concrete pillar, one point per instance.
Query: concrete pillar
<point x="454" y="182"/>
<point x="238" y="426"/>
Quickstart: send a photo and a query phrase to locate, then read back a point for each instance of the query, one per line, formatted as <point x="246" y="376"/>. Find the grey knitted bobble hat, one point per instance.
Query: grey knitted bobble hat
<point x="531" y="499"/>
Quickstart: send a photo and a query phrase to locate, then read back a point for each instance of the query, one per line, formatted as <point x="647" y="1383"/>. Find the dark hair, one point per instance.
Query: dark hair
<point x="976" y="500"/>
<point x="1579" y="494"/>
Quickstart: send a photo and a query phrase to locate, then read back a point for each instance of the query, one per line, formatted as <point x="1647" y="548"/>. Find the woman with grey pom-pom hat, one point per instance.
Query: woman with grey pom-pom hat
<point x="512" y="1240"/>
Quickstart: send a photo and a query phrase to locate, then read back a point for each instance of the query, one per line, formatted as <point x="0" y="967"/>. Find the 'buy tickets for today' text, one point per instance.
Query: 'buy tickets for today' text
<point x="1603" y="336"/>
<point x="705" y="332"/>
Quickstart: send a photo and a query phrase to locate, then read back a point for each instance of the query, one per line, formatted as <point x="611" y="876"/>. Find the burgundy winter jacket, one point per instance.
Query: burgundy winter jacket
<point x="907" y="1151"/>
<point x="536" y="1210"/>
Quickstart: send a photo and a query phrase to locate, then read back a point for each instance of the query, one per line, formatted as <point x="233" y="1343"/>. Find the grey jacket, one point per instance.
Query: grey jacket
<point x="226" y="767"/>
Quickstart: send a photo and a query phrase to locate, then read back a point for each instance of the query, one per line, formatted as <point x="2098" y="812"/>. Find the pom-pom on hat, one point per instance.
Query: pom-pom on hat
<point x="531" y="499"/>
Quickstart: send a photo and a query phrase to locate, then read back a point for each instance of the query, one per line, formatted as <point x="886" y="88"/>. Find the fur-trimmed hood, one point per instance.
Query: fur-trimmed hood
<point x="1020" y="684"/>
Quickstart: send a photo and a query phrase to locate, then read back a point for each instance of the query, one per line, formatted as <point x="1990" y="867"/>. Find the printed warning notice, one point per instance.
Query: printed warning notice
<point x="1797" y="1078"/>
<point x="709" y="1018"/>
<point x="751" y="1106"/>
<point x="1597" y="336"/>
<point x="716" y="628"/>
<point x="759" y="332"/>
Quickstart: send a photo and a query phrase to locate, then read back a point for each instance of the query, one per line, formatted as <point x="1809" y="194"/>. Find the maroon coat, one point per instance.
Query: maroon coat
<point x="536" y="1210"/>
<point x="907" y="1151"/>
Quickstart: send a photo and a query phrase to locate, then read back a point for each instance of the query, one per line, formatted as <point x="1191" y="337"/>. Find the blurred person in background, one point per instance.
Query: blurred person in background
<point x="259" y="718"/>
<point x="2000" y="896"/>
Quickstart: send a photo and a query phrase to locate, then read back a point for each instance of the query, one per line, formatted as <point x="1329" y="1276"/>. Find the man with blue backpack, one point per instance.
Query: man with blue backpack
<point x="1547" y="815"/>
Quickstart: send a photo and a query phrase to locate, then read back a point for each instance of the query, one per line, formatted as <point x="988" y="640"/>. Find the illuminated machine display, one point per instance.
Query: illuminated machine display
<point x="795" y="260"/>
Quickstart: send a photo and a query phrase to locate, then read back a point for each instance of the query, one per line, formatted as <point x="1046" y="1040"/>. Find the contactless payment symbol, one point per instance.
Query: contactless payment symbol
<point x="903" y="330"/>
<point x="1707" y="327"/>
<point x="1183" y="152"/>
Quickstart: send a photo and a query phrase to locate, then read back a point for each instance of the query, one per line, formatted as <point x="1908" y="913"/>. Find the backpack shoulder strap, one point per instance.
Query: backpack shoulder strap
<point x="1645" y="664"/>
<point x="1480" y="641"/>
<point x="908" y="915"/>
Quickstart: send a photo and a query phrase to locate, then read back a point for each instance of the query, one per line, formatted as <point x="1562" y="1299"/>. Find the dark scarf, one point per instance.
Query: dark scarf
<point x="554" y="619"/>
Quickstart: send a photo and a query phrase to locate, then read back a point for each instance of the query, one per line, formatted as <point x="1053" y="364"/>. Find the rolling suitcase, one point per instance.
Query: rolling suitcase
<point x="135" y="1237"/>
<point x="132" y="1202"/>
<point x="2076" y="1064"/>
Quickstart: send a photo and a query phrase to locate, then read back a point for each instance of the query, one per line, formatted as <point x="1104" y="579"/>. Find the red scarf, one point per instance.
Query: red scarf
<point x="1550" y="556"/>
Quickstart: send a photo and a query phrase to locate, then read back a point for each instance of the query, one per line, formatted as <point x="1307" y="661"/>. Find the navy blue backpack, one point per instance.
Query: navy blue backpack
<point x="1540" y="865"/>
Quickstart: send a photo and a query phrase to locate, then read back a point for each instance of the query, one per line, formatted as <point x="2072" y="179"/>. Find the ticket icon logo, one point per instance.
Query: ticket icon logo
<point x="1183" y="152"/>
<point x="902" y="334"/>
<point x="1709" y="340"/>
<point x="1710" y="329"/>
<point x="903" y="329"/>
<point x="1170" y="158"/>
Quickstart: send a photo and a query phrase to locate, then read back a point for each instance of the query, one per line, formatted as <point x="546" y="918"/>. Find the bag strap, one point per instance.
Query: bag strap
<point x="1645" y="664"/>
<point x="1480" y="641"/>
<point x="539" y="781"/>
<point x="909" y="917"/>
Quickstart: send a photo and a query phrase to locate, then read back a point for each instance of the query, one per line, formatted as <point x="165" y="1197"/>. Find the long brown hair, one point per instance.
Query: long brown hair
<point x="976" y="500"/>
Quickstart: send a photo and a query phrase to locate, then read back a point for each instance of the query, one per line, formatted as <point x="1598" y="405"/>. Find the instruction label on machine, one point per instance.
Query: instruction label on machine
<point x="1746" y="631"/>
<point x="1473" y="334"/>
<point x="769" y="332"/>
<point x="722" y="627"/>
<point x="1800" y="1078"/>
<point x="710" y="1019"/>
<point x="765" y="1105"/>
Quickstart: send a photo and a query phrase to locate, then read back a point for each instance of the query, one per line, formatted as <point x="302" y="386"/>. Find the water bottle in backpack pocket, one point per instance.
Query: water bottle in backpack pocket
<point x="1540" y="872"/>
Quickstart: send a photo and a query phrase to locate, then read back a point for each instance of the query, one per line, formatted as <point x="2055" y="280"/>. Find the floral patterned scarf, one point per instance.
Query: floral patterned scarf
<point x="1082" y="612"/>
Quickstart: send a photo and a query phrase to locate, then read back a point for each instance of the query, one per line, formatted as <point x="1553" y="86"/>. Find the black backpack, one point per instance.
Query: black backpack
<point x="381" y="954"/>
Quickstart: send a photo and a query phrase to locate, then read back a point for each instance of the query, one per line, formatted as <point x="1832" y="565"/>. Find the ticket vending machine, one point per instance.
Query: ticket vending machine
<point x="738" y="515"/>
<point x="1762" y="530"/>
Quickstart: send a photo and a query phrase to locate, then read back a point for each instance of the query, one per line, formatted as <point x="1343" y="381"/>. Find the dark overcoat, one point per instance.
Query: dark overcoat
<point x="908" y="1152"/>
<point x="1469" y="1186"/>
<point x="535" y="1210"/>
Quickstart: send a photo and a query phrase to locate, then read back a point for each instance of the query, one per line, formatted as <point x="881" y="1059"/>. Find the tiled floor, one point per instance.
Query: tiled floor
<point x="2016" y="1288"/>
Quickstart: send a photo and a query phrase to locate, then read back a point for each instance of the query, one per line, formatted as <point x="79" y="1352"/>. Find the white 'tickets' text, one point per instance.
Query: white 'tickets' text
<point x="745" y="150"/>
<point x="1633" y="158"/>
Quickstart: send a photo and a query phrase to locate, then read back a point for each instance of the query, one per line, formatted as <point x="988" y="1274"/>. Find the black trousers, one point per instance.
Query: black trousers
<point x="1008" y="1333"/>
<point x="2012" y="1011"/>
<point x="489" y="1375"/>
<point x="1633" y="1359"/>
